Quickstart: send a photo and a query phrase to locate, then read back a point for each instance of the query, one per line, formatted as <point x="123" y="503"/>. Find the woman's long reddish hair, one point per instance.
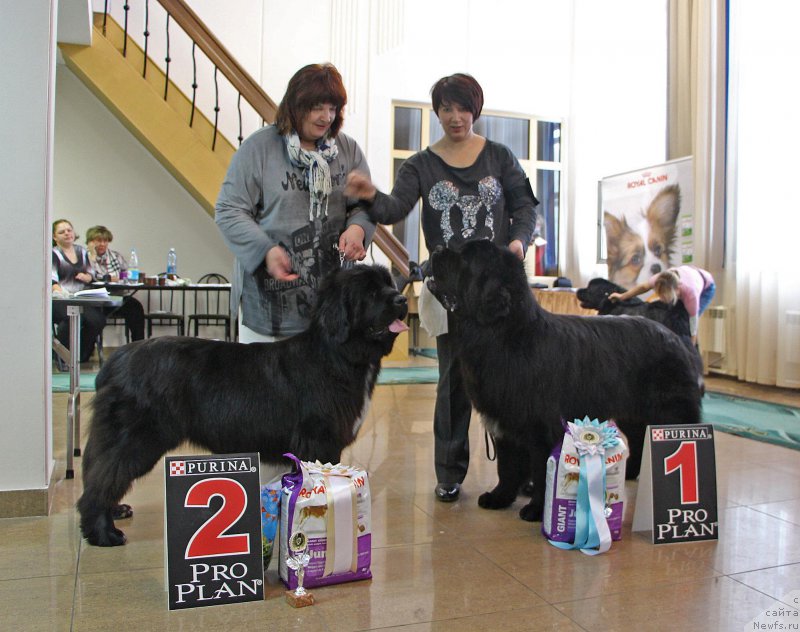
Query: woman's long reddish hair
<point x="311" y="85"/>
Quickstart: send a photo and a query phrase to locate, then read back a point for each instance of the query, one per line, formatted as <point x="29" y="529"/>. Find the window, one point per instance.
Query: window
<point x="534" y="141"/>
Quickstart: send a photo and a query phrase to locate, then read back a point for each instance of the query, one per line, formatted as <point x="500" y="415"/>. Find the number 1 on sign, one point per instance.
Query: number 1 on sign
<point x="684" y="460"/>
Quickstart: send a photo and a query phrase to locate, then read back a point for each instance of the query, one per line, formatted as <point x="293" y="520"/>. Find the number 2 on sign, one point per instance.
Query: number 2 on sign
<point x="209" y="540"/>
<point x="684" y="459"/>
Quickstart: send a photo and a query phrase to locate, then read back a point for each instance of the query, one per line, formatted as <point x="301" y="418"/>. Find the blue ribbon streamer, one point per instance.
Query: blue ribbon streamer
<point x="592" y="535"/>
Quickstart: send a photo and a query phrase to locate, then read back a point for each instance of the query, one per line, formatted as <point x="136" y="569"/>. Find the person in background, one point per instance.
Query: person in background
<point x="72" y="271"/>
<point x="693" y="286"/>
<point x="471" y="188"/>
<point x="282" y="210"/>
<point x="107" y="265"/>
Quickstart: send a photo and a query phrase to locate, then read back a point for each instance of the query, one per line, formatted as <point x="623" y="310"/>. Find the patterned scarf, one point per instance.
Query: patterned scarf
<point x="315" y="169"/>
<point x="110" y="263"/>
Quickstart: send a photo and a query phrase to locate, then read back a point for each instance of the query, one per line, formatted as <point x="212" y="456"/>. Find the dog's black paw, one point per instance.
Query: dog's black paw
<point x="531" y="512"/>
<point x="122" y="511"/>
<point x="109" y="537"/>
<point x="99" y="530"/>
<point x="495" y="500"/>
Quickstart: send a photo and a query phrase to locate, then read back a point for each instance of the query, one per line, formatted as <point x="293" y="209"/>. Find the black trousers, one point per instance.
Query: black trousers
<point x="451" y="417"/>
<point x="133" y="313"/>
<point x="92" y="322"/>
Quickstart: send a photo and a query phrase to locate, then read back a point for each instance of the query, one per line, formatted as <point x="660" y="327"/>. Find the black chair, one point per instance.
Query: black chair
<point x="119" y="321"/>
<point x="216" y="305"/>
<point x="164" y="314"/>
<point x="112" y="321"/>
<point x="99" y="345"/>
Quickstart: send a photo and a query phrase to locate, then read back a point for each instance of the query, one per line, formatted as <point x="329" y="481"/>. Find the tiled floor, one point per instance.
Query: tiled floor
<point x="436" y="566"/>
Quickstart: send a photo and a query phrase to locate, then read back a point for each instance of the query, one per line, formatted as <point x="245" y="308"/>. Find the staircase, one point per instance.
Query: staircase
<point x="158" y="114"/>
<point x="138" y="102"/>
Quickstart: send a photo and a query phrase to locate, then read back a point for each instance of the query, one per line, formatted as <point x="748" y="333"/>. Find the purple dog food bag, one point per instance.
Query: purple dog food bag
<point x="330" y="504"/>
<point x="564" y="477"/>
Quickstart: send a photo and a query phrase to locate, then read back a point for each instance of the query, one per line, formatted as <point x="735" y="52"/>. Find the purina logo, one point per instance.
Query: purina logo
<point x="210" y="466"/>
<point x="680" y="434"/>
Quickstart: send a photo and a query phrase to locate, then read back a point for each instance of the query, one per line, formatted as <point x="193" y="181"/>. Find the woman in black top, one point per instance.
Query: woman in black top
<point x="471" y="188"/>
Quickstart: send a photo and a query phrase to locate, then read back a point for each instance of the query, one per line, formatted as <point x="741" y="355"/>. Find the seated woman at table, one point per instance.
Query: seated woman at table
<point x="72" y="271"/>
<point x="107" y="265"/>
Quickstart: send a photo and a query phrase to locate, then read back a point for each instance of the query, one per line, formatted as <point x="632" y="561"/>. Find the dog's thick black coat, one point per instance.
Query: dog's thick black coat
<point x="526" y="369"/>
<point x="305" y="395"/>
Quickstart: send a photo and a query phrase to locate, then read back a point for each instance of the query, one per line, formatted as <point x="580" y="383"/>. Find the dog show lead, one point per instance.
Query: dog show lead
<point x="471" y="189"/>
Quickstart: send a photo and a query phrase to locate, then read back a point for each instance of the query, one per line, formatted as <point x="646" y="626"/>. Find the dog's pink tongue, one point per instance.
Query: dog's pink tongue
<point x="398" y="326"/>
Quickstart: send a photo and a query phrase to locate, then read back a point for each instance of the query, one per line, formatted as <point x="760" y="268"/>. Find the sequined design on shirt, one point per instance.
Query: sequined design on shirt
<point x="444" y="195"/>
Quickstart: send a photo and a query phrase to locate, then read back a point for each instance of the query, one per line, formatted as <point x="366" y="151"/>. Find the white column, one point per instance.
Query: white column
<point x="27" y="74"/>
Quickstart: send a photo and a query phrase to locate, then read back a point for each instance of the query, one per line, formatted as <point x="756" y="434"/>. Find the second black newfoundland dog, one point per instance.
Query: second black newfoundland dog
<point x="526" y="369"/>
<point x="306" y="395"/>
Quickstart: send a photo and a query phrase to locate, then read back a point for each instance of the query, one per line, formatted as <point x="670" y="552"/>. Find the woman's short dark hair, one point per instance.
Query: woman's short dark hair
<point x="310" y="86"/>
<point x="461" y="89"/>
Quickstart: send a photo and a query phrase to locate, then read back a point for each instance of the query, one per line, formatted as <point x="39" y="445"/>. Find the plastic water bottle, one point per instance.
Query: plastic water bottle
<point x="172" y="262"/>
<point x="133" y="267"/>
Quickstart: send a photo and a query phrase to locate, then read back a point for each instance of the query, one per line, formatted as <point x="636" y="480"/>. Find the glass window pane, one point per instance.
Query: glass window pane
<point x="407" y="229"/>
<point x="549" y="141"/>
<point x="436" y="128"/>
<point x="407" y="128"/>
<point x="514" y="133"/>
<point x="548" y="185"/>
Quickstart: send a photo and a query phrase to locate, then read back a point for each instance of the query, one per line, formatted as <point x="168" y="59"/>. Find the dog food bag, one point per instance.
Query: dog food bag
<point x="270" y="517"/>
<point x="330" y="504"/>
<point x="585" y="487"/>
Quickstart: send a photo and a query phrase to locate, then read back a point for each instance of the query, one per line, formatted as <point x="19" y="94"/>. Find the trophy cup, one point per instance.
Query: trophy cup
<point x="297" y="560"/>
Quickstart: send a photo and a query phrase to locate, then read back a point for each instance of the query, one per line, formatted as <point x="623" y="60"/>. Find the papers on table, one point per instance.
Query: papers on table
<point x="96" y="292"/>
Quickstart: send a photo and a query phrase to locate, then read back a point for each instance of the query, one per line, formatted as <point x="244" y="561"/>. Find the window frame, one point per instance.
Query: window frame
<point x="532" y="167"/>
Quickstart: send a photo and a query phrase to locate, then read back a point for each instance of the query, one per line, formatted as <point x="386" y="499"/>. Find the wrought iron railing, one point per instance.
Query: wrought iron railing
<point x="247" y="88"/>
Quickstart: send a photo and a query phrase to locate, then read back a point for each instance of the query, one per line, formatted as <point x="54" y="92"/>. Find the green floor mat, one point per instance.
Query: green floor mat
<point x="409" y="375"/>
<point x="61" y="381"/>
<point x="388" y="375"/>
<point x="771" y="423"/>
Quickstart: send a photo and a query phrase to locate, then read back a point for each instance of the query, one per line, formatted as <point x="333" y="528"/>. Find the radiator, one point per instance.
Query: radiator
<point x="792" y="345"/>
<point x="718" y="329"/>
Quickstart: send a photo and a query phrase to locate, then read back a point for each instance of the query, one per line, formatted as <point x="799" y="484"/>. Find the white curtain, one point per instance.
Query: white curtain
<point x="762" y="189"/>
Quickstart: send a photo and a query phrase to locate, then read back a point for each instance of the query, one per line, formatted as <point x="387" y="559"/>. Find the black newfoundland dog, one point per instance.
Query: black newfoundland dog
<point x="526" y="369"/>
<point x="306" y="395"/>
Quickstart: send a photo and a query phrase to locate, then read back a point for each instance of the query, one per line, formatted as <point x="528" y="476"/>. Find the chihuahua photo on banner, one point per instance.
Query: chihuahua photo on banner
<point x="641" y="243"/>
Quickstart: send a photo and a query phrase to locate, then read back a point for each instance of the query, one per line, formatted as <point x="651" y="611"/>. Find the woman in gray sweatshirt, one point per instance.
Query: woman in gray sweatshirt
<point x="282" y="209"/>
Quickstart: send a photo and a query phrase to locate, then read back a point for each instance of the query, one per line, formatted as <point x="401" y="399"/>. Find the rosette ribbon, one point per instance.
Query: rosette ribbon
<point x="591" y="438"/>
